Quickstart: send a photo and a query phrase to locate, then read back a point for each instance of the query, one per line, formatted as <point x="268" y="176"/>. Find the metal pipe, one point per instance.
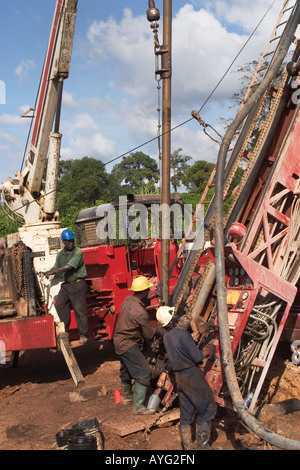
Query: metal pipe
<point x="166" y="148"/>
<point x="52" y="174"/>
<point x="58" y="104"/>
<point x="224" y="333"/>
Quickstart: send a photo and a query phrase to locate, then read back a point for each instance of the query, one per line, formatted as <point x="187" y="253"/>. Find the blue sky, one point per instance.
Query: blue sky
<point x="110" y="97"/>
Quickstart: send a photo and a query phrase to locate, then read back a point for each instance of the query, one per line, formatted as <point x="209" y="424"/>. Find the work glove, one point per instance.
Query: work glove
<point x="209" y="350"/>
<point x="206" y="327"/>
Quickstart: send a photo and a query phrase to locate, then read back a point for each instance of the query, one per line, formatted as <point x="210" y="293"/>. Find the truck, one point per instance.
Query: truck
<point x="28" y="318"/>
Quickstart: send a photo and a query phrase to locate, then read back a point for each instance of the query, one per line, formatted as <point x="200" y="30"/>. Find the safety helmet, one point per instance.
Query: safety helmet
<point x="164" y="315"/>
<point x="140" y="283"/>
<point x="237" y="231"/>
<point x="67" y="235"/>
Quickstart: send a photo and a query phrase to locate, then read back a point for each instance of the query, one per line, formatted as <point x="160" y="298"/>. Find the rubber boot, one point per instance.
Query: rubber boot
<point x="139" y="396"/>
<point x="127" y="393"/>
<point x="203" y="430"/>
<point x="186" y="436"/>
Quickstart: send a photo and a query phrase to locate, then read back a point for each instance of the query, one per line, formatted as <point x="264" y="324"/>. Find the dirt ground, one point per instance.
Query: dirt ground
<point x="36" y="404"/>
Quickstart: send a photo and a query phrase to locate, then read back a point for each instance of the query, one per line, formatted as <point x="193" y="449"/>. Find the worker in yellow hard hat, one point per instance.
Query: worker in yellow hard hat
<point x="132" y="330"/>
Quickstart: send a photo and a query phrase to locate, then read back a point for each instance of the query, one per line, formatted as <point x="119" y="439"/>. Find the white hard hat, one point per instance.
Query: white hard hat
<point x="164" y="315"/>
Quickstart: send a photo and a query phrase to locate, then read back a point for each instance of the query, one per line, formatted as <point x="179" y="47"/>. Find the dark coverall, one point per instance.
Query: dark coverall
<point x="133" y="328"/>
<point x="195" y="395"/>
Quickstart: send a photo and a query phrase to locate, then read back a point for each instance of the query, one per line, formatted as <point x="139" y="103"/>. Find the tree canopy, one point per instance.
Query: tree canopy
<point x="86" y="183"/>
<point x="197" y="175"/>
<point x="136" y="170"/>
<point x="178" y="165"/>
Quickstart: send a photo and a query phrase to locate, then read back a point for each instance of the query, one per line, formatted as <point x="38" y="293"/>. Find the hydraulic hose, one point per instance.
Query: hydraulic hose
<point x="225" y="342"/>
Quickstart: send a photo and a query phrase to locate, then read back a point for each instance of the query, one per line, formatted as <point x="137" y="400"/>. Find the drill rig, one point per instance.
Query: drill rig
<point x="28" y="318"/>
<point x="249" y="287"/>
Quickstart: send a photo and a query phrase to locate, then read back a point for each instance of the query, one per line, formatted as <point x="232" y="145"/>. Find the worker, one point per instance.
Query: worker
<point x="69" y="261"/>
<point x="196" y="399"/>
<point x="130" y="338"/>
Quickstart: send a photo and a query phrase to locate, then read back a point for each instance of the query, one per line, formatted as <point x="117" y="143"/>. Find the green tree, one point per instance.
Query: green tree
<point x="7" y="223"/>
<point x="197" y="175"/>
<point x="136" y="170"/>
<point x="81" y="184"/>
<point x="179" y="166"/>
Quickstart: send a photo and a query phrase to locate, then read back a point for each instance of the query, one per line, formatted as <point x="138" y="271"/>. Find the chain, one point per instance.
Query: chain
<point x="153" y="16"/>
<point x="17" y="269"/>
<point x="159" y="118"/>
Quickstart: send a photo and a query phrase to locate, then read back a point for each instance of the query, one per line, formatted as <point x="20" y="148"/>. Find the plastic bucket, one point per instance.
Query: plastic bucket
<point x="154" y="402"/>
<point x="118" y="396"/>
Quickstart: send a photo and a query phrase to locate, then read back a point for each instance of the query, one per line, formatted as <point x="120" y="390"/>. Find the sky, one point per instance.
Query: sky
<point x="110" y="99"/>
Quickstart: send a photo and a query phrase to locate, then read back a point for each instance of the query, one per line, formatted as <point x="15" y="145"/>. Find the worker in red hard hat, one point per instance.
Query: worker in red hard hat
<point x="132" y="331"/>
<point x="69" y="262"/>
<point x="196" y="398"/>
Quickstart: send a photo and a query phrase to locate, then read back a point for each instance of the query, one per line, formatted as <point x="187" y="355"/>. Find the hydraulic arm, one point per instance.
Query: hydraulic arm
<point x="23" y="194"/>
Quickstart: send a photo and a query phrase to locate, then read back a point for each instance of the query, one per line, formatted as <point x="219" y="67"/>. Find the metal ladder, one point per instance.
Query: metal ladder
<point x="276" y="34"/>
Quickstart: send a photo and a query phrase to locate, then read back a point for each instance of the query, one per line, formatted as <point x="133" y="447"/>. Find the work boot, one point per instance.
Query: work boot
<point x="139" y="396"/>
<point x="127" y="393"/>
<point x="186" y="436"/>
<point x="203" y="430"/>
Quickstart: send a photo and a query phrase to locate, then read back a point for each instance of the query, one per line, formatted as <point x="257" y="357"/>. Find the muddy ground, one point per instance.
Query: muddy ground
<point x="37" y="401"/>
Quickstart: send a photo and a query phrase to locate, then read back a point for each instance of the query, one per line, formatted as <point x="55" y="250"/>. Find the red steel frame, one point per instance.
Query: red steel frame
<point x="263" y="264"/>
<point x="238" y="313"/>
<point x="28" y="333"/>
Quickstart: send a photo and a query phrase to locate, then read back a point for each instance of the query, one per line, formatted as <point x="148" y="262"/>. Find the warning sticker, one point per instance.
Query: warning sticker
<point x="232" y="297"/>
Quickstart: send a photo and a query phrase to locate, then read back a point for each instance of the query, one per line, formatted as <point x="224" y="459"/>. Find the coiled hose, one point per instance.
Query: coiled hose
<point x="225" y="342"/>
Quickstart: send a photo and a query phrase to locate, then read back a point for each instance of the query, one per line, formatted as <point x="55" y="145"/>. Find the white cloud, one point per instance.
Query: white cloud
<point x="6" y="139"/>
<point x="112" y="106"/>
<point x="8" y="120"/>
<point x="128" y="46"/>
<point x="236" y="12"/>
<point x="85" y="139"/>
<point x="12" y="148"/>
<point x="202" y="50"/>
<point x="24" y="69"/>
<point x="68" y="100"/>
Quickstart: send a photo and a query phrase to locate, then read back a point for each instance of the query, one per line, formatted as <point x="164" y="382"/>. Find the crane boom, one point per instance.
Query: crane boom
<point x="23" y="195"/>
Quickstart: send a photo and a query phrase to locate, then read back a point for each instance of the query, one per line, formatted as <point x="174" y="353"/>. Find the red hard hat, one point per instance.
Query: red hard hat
<point x="237" y="230"/>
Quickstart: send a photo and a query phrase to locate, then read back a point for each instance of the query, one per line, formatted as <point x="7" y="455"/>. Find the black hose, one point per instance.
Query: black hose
<point x="225" y="341"/>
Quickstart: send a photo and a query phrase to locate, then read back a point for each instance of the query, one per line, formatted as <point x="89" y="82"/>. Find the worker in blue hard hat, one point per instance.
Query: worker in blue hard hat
<point x="69" y="262"/>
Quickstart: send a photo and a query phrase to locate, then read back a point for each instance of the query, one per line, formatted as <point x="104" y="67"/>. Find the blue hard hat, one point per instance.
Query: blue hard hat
<point x="67" y="235"/>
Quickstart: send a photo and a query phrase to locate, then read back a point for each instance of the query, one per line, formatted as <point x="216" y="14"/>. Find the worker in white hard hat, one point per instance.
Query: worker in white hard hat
<point x="196" y="399"/>
<point x="132" y="331"/>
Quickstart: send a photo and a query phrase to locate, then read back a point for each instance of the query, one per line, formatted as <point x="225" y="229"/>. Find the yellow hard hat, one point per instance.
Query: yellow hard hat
<point x="140" y="283"/>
